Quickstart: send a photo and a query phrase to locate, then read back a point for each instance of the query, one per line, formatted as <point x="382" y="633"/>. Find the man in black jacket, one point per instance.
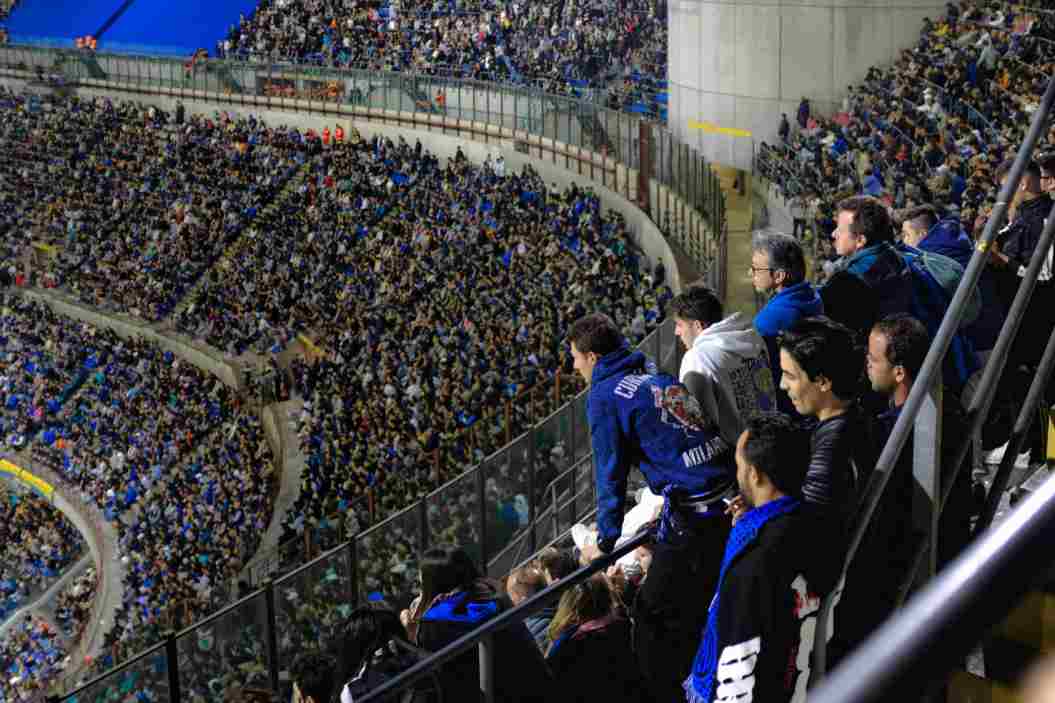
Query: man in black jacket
<point x="757" y="642"/>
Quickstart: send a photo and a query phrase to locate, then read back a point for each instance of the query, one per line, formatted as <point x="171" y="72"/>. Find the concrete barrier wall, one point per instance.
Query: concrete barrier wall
<point x="203" y="357"/>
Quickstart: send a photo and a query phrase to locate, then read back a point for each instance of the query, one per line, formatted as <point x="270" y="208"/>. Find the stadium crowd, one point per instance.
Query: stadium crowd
<point x="580" y="44"/>
<point x="165" y="199"/>
<point x="37" y="543"/>
<point x="933" y="127"/>
<point x="74" y="604"/>
<point x="31" y="653"/>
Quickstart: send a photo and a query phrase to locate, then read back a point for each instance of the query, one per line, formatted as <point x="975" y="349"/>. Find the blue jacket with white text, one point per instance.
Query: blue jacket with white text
<point x="638" y="416"/>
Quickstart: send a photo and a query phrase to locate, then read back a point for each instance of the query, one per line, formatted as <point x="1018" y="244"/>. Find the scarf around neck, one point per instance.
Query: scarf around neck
<point x="700" y="685"/>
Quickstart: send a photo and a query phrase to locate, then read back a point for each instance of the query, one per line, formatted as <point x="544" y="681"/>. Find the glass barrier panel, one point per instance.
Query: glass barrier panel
<point x="499" y="512"/>
<point x="388" y="559"/>
<point x="144" y="679"/>
<point x="552" y="451"/>
<point x="454" y="514"/>
<point x="580" y="429"/>
<point x="311" y="607"/>
<point x="225" y="654"/>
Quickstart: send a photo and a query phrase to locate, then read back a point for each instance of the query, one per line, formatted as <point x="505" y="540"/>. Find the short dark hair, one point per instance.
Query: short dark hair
<point x="784" y="252"/>
<point x="907" y="341"/>
<point x="871" y="218"/>
<point x="1032" y="169"/>
<point x="367" y="629"/>
<point x="315" y="674"/>
<point x="697" y="303"/>
<point x="1046" y="162"/>
<point x="779" y="449"/>
<point x="595" y="333"/>
<point x="446" y="569"/>
<point x="556" y="562"/>
<point x="823" y="347"/>
<point x="922" y="216"/>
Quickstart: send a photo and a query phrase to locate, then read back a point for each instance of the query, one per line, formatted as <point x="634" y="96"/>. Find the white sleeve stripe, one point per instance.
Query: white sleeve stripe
<point x="736" y="671"/>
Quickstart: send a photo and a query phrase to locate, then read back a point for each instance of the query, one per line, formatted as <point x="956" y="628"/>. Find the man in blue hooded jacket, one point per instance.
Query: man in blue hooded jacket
<point x="778" y="268"/>
<point x="639" y="417"/>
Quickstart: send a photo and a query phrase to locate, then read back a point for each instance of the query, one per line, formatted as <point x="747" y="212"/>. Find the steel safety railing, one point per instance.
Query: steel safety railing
<point x="920" y="635"/>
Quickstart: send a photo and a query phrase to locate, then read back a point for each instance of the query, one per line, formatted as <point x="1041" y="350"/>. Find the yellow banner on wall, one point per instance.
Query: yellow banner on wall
<point x="712" y="128"/>
<point x="39" y="485"/>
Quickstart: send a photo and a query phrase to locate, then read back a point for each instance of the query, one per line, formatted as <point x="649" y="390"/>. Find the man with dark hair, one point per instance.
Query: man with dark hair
<point x="897" y="347"/>
<point x="726" y="366"/>
<point x="521" y="585"/>
<point x="757" y="644"/>
<point x="640" y="417"/>
<point x="778" y="268"/>
<point x="314" y="677"/>
<point x="877" y="278"/>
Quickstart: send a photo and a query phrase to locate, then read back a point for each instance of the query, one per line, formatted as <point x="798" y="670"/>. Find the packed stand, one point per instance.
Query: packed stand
<point x="173" y="457"/>
<point x="387" y="396"/>
<point x="37" y="543"/>
<point x="932" y="128"/>
<point x="582" y="45"/>
<point x="32" y="655"/>
<point x="163" y="201"/>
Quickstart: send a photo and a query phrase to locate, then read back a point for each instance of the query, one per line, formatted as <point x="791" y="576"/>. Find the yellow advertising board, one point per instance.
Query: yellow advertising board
<point x="39" y="485"/>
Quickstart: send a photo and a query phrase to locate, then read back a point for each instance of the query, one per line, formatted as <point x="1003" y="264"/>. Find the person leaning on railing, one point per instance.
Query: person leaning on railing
<point x="638" y="416"/>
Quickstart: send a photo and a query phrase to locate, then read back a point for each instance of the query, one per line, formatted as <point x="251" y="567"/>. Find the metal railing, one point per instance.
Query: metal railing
<point x="474" y="510"/>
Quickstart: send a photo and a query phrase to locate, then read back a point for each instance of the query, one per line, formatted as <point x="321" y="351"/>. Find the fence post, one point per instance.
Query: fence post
<point x="481" y="495"/>
<point x="353" y="568"/>
<point x="272" y="633"/>
<point x="487" y="660"/>
<point x="423" y="525"/>
<point x="926" y="468"/>
<point x="509" y="420"/>
<point x="172" y="664"/>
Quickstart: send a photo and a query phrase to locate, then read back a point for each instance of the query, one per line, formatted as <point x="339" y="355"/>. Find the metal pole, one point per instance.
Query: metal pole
<point x="531" y="487"/>
<point x="423" y="526"/>
<point x="964" y="601"/>
<point x="982" y="400"/>
<point x="942" y="339"/>
<point x="353" y="568"/>
<point x="487" y="663"/>
<point x="172" y="664"/>
<point x="1018" y="435"/>
<point x="272" y="633"/>
<point x="926" y="468"/>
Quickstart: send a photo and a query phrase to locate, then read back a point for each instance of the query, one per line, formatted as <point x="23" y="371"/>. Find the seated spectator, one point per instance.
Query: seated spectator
<point x="521" y="585"/>
<point x="778" y="268"/>
<point x="591" y="656"/>
<point x="638" y="416"/>
<point x="725" y="364"/>
<point x="757" y="643"/>
<point x="454" y="601"/>
<point x="555" y="564"/>
<point x="374" y="650"/>
<point x="314" y="677"/>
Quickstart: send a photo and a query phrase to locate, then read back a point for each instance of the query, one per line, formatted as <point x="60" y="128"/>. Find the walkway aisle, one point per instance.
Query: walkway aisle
<point x="293" y="463"/>
<point x="740" y="296"/>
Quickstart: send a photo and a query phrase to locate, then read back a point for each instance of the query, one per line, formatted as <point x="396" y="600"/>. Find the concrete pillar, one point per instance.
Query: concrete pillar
<point x="738" y="65"/>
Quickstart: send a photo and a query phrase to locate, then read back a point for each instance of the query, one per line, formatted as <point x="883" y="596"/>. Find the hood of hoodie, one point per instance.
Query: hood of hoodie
<point x="948" y="239"/>
<point x="621" y="362"/>
<point x="734" y="335"/>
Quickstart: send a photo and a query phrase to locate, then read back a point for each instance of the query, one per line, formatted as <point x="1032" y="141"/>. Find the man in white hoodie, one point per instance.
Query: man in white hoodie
<point x="726" y="365"/>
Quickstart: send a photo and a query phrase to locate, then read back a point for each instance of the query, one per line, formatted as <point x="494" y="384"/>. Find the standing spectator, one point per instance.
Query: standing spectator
<point x="804" y="113"/>
<point x="877" y="278"/>
<point x="778" y="268"/>
<point x="637" y="416"/>
<point x="757" y="643"/>
<point x="725" y="360"/>
<point x="785" y="129"/>
<point x="591" y="655"/>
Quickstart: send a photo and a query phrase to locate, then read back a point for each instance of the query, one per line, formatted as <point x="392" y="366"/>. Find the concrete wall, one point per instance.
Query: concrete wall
<point x="739" y="65"/>
<point x="206" y="358"/>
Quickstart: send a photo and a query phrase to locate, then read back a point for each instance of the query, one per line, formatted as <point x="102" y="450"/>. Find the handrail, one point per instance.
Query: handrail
<point x="965" y="600"/>
<point x="511" y="617"/>
<point x="929" y="373"/>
